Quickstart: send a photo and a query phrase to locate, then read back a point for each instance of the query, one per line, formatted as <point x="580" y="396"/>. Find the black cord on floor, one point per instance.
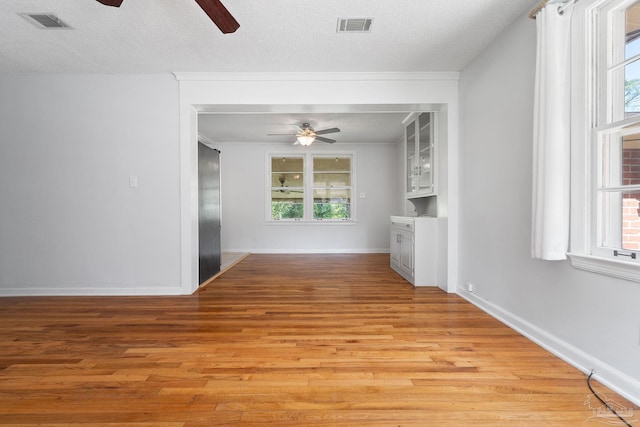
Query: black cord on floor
<point x="613" y="411"/>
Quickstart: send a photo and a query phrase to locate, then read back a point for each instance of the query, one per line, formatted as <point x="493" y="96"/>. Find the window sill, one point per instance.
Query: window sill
<point x="621" y="269"/>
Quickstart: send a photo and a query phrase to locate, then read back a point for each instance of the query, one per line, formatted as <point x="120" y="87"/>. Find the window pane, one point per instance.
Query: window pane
<point x="332" y="179"/>
<point x="620" y="225"/>
<point x="620" y="158"/>
<point x="287" y="204"/>
<point x="330" y="164"/>
<point x="287" y="179"/>
<point x="632" y="89"/>
<point x="631" y="159"/>
<point x="632" y="31"/>
<point x="331" y="172"/>
<point x="424" y="162"/>
<point x="333" y="195"/>
<point x="331" y="203"/>
<point x="287" y="164"/>
<point x="411" y="163"/>
<point x="331" y="187"/>
<point x="287" y="187"/>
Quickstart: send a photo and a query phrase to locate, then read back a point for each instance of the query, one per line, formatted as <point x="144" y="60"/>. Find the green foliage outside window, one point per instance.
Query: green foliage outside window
<point x="286" y="210"/>
<point x="331" y="210"/>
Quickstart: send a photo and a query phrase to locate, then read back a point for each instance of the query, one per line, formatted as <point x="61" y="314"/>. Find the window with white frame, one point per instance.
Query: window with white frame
<point x="310" y="187"/>
<point x="616" y="136"/>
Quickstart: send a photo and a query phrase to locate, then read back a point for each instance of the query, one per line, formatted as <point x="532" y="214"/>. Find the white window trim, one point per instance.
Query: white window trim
<point x="308" y="188"/>
<point x="583" y="168"/>
<point x="609" y="267"/>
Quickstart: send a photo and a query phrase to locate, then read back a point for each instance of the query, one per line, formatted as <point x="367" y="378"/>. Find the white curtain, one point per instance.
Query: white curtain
<point x="551" y="135"/>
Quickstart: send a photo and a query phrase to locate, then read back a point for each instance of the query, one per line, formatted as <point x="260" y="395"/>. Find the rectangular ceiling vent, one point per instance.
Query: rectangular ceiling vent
<point x="44" y="20"/>
<point x="354" y="25"/>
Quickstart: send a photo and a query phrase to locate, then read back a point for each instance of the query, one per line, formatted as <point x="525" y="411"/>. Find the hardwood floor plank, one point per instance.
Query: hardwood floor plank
<point x="287" y="340"/>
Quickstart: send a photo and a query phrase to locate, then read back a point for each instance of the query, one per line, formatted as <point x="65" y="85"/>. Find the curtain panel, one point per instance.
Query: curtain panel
<point x="551" y="135"/>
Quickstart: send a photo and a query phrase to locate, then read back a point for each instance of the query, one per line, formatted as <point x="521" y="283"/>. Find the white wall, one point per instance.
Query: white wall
<point x="243" y="202"/>
<point x="69" y="223"/>
<point x="590" y="319"/>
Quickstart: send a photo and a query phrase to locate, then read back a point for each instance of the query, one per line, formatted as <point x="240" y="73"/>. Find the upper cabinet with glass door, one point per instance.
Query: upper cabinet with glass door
<point x="419" y="141"/>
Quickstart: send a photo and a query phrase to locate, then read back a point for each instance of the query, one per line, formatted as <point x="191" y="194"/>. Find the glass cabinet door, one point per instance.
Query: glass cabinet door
<point x="425" y="153"/>
<point x="410" y="149"/>
<point x="420" y="151"/>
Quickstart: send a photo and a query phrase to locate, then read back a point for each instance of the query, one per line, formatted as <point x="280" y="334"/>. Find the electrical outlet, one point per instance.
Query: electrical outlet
<point x="469" y="286"/>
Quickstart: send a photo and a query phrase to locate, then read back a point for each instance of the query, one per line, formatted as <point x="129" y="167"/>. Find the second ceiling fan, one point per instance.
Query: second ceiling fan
<point x="213" y="8"/>
<point x="306" y="134"/>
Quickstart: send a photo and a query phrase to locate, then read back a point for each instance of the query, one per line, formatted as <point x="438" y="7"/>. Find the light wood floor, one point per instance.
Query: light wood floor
<point x="281" y="340"/>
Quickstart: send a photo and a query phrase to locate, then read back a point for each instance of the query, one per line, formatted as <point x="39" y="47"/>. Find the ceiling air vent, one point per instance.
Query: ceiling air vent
<point x="354" y="25"/>
<point x="44" y="20"/>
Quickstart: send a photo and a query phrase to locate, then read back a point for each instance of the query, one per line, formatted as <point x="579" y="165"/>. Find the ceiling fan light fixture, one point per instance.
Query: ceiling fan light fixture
<point x="305" y="140"/>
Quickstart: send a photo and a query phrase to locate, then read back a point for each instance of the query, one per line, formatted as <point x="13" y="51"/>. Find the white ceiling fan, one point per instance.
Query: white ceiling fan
<point x="306" y="135"/>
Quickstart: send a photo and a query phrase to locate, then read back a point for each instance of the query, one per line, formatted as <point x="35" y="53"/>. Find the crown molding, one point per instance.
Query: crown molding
<point x="330" y="76"/>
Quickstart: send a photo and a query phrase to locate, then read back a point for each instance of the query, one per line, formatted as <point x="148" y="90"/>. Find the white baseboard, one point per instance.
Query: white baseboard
<point x="616" y="380"/>
<point x="38" y="291"/>
<point x="309" y="251"/>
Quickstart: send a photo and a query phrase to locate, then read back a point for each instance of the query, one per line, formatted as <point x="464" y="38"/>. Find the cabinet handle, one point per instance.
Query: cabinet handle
<point x="398" y="238"/>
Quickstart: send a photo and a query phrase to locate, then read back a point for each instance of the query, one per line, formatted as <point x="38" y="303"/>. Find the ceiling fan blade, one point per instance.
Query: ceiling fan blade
<point x="219" y="15"/>
<point x="277" y="134"/>
<point x="114" y="3"/>
<point x="324" y="131"/>
<point x="323" y="139"/>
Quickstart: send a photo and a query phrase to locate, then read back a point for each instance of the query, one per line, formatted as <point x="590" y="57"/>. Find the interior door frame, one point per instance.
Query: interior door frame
<point x="308" y="93"/>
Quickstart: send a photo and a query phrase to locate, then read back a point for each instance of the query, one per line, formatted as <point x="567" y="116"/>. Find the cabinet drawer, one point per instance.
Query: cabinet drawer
<point x="402" y="225"/>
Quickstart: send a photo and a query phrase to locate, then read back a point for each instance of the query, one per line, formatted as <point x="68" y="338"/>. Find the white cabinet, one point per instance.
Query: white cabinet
<point x="419" y="250"/>
<point x="420" y="156"/>
<point x="402" y="248"/>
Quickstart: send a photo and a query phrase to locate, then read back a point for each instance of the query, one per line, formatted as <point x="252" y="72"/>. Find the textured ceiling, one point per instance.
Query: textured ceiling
<point x="149" y="36"/>
<point x="354" y="127"/>
<point x="161" y="36"/>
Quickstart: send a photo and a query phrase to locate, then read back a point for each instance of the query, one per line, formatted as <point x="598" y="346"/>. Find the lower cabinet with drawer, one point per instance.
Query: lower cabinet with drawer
<point x="418" y="250"/>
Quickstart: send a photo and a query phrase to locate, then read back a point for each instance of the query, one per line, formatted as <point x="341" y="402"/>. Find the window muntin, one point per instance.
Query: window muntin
<point x="311" y="187"/>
